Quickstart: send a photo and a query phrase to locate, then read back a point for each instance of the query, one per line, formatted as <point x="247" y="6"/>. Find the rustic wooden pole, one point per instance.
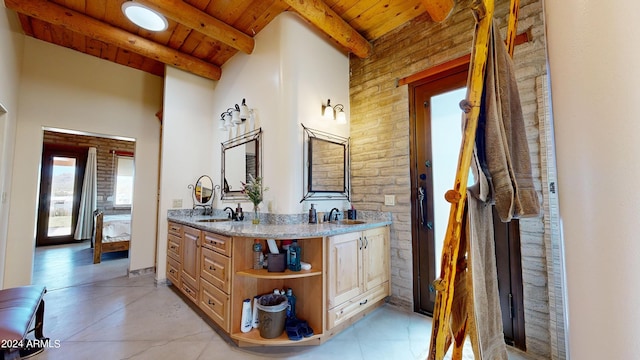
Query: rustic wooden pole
<point x="183" y="13"/>
<point x="85" y="25"/>
<point x="438" y="10"/>
<point x="320" y="14"/>
<point x="440" y="334"/>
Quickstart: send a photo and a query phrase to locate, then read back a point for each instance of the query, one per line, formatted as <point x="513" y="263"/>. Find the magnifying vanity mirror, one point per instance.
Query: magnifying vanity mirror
<point x="326" y="171"/>
<point x="241" y="157"/>
<point x="203" y="192"/>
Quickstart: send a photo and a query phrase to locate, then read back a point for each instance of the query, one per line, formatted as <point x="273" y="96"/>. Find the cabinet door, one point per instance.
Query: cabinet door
<point x="191" y="257"/>
<point x="375" y="257"/>
<point x="344" y="268"/>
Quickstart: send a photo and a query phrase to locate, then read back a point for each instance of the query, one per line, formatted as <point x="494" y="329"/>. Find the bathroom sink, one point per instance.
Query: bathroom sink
<point x="349" y="222"/>
<point x="213" y="220"/>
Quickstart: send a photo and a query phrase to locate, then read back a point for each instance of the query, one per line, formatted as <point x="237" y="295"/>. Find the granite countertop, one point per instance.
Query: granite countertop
<point x="273" y="231"/>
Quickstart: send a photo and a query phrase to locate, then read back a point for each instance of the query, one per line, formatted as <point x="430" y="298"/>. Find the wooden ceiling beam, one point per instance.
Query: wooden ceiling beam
<point x="187" y="15"/>
<point x="85" y="25"/>
<point x="438" y="9"/>
<point x="324" y="18"/>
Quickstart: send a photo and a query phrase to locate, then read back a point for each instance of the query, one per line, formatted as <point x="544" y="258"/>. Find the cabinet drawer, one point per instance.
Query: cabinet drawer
<point x="345" y="311"/>
<point x="189" y="291"/>
<point x="173" y="271"/>
<point x="215" y="303"/>
<point x="215" y="269"/>
<point x="173" y="247"/>
<point x="175" y="229"/>
<point x="218" y="243"/>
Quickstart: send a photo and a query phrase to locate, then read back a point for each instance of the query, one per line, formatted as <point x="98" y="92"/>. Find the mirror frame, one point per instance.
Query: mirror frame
<point x="196" y="202"/>
<point x="309" y="192"/>
<point x="254" y="135"/>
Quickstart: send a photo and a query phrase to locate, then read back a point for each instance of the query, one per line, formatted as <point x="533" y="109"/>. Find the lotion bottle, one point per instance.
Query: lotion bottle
<point x="246" y="320"/>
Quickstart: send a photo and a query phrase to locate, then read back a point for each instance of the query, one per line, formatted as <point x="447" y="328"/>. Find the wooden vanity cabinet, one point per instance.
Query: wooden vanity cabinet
<point x="174" y="242"/>
<point x="190" y="263"/>
<point x="215" y="278"/>
<point x="358" y="272"/>
<point x="349" y="276"/>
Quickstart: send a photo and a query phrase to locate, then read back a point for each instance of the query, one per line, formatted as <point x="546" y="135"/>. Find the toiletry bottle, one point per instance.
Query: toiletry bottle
<point x="257" y="254"/>
<point x="313" y="218"/>
<point x="294" y="256"/>
<point x="245" y="325"/>
<point x="291" y="308"/>
<point x="239" y="214"/>
<point x="255" y="321"/>
<point x="285" y="247"/>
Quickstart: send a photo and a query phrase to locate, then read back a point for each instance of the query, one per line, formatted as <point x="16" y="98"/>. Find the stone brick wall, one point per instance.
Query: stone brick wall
<point x="380" y="141"/>
<point x="105" y="162"/>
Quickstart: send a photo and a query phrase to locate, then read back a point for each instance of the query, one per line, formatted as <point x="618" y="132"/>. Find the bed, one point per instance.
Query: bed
<point x="110" y="233"/>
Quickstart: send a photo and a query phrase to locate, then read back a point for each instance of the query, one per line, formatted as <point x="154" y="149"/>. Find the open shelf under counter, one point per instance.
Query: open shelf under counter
<point x="253" y="338"/>
<point x="287" y="274"/>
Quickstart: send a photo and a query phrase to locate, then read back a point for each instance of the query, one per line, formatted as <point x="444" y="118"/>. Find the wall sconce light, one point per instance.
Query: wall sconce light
<point x="234" y="116"/>
<point x="221" y="125"/>
<point x="334" y="112"/>
<point x="327" y="110"/>
<point x="341" y="117"/>
<point x="144" y="17"/>
<point x="244" y="110"/>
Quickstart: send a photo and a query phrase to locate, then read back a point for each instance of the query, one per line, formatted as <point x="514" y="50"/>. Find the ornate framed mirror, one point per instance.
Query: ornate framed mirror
<point x="241" y="157"/>
<point x="326" y="166"/>
<point x="203" y="192"/>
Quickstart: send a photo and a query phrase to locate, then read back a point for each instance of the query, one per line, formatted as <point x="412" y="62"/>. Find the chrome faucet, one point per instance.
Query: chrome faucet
<point x="232" y="214"/>
<point x="331" y="214"/>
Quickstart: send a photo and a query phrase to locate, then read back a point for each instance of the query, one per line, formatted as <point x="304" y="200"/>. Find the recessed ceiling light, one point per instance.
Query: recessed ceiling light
<point x="144" y="17"/>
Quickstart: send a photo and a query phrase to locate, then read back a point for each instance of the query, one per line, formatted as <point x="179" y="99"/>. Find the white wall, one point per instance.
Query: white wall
<point x="11" y="48"/>
<point x="290" y="74"/>
<point x="593" y="57"/>
<point x="187" y="146"/>
<point x="61" y="88"/>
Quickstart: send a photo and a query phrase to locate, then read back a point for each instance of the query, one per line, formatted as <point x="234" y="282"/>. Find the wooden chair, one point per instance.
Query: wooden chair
<point x="99" y="244"/>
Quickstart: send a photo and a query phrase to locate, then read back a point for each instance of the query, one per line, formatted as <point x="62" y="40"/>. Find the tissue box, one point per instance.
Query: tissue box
<point x="277" y="262"/>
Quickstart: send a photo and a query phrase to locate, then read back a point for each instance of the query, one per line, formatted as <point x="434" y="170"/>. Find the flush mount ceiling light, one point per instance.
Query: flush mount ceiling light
<point x="144" y="17"/>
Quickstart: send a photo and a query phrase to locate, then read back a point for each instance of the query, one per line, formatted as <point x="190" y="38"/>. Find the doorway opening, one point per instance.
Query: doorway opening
<point x="62" y="173"/>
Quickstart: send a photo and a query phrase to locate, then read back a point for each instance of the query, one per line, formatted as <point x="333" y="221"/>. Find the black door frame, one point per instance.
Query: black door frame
<point x="44" y="197"/>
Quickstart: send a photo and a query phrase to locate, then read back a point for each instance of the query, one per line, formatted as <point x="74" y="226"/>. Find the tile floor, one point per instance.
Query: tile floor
<point x="98" y="312"/>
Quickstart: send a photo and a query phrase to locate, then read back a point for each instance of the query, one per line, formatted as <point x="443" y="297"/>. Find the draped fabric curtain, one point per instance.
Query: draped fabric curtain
<point x="88" y="198"/>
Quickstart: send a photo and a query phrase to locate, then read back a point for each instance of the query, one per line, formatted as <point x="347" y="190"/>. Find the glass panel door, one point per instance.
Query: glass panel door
<point x="60" y="190"/>
<point x="62" y="195"/>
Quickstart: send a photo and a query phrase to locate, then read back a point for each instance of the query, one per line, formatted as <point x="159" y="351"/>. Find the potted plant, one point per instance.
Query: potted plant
<point x="254" y="189"/>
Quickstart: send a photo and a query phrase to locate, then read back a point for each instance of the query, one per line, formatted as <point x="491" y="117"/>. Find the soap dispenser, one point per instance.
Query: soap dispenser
<point x="239" y="213"/>
<point x="313" y="217"/>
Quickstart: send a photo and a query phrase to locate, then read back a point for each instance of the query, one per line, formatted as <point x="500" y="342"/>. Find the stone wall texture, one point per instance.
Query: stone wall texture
<point x="380" y="159"/>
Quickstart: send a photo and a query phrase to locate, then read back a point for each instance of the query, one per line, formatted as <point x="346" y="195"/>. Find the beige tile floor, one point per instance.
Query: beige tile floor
<point x="98" y="312"/>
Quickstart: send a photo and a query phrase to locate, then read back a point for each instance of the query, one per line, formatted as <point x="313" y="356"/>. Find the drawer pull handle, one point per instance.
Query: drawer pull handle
<point x="172" y="271"/>
<point x="364" y="302"/>
<point x="209" y="302"/>
<point x="212" y="268"/>
<point x="173" y="247"/>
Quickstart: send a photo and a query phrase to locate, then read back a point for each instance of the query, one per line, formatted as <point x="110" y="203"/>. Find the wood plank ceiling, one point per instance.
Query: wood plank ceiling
<point x="204" y="34"/>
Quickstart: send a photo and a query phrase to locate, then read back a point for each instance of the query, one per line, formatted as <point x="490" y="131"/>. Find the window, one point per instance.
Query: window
<point x="124" y="181"/>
